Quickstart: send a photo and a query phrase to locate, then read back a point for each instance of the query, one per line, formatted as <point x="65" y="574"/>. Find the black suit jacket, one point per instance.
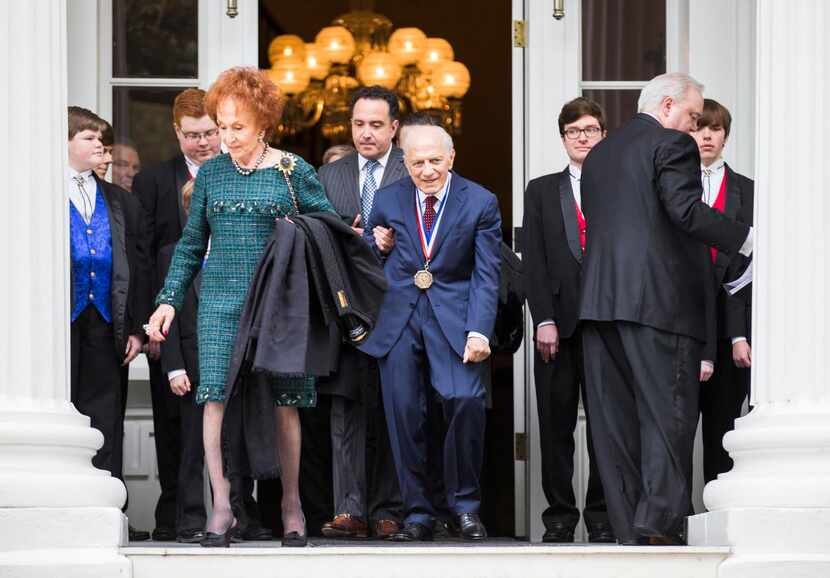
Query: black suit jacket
<point x="736" y="310"/>
<point x="158" y="188"/>
<point x="130" y="290"/>
<point x="341" y="179"/>
<point x="551" y="254"/>
<point x="181" y="350"/>
<point x="647" y="230"/>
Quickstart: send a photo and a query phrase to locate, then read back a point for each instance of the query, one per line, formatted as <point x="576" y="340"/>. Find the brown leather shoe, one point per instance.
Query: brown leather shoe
<point x="385" y="528"/>
<point x="346" y="526"/>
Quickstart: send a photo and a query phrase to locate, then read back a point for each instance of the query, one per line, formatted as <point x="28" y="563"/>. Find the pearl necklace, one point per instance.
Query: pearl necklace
<point x="246" y="172"/>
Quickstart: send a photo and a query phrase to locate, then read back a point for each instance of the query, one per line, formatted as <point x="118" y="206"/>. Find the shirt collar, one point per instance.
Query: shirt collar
<point x="382" y="160"/>
<point x="575" y="171"/>
<point x="191" y="164"/>
<point x="72" y="173"/>
<point x="439" y="196"/>
<point x="715" y="167"/>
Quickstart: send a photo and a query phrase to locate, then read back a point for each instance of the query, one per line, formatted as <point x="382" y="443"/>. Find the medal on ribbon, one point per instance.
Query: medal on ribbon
<point x="423" y="278"/>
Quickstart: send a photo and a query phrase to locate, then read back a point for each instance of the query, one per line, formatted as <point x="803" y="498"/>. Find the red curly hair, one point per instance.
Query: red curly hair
<point x="252" y="90"/>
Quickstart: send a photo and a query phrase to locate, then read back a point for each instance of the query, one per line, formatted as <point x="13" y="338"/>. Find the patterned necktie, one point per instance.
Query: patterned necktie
<point x="367" y="196"/>
<point x="429" y="214"/>
<point x="86" y="210"/>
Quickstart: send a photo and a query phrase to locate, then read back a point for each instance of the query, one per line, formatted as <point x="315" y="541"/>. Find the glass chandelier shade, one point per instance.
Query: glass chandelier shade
<point x="407" y="45"/>
<point x="379" y="68"/>
<point x="291" y="75"/>
<point x="286" y="46"/>
<point x="317" y="61"/>
<point x="451" y="79"/>
<point x="337" y="43"/>
<point x="437" y="50"/>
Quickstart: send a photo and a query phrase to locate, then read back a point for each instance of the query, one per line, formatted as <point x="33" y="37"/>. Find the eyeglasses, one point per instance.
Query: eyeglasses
<point x="197" y="136"/>
<point x="590" y="132"/>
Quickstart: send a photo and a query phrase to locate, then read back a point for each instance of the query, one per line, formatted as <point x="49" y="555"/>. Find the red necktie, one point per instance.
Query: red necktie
<point x="429" y="213"/>
<point x="580" y="219"/>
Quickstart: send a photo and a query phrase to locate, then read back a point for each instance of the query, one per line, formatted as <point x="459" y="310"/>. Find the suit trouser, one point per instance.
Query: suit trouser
<point x="721" y="400"/>
<point x="422" y="347"/>
<point x="558" y="385"/>
<point x="643" y="386"/>
<point x="96" y="385"/>
<point x="358" y="429"/>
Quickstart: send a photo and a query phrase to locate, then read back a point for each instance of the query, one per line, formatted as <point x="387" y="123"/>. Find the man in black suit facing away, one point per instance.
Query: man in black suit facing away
<point x="553" y="242"/>
<point x="722" y="397"/>
<point x="356" y="409"/>
<point x="180" y="512"/>
<point x="644" y="284"/>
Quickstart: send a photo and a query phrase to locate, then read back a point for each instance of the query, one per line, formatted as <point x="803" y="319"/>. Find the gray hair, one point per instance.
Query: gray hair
<point x="446" y="139"/>
<point x="672" y="84"/>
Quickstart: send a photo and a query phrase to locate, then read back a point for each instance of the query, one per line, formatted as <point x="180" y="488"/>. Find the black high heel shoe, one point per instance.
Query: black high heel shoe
<point x="223" y="540"/>
<point x="295" y="539"/>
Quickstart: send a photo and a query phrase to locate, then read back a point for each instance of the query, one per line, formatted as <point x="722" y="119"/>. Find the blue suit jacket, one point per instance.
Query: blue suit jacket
<point x="465" y="263"/>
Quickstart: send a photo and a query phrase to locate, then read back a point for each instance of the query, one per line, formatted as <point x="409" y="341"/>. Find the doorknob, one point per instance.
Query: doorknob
<point x="233" y="9"/>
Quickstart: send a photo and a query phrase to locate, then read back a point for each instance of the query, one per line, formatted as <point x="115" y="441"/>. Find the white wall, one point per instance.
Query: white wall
<point x="722" y="56"/>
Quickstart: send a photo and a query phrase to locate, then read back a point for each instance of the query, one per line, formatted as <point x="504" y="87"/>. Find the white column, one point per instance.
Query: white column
<point x="773" y="508"/>
<point x="59" y="516"/>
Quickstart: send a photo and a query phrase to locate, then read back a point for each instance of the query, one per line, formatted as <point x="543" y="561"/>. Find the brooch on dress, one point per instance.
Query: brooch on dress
<point x="286" y="163"/>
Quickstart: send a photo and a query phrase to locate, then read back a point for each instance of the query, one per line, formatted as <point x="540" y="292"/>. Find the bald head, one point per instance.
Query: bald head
<point x="428" y="155"/>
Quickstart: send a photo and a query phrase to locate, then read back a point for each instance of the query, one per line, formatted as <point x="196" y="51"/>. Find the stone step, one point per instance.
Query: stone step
<point x="497" y="558"/>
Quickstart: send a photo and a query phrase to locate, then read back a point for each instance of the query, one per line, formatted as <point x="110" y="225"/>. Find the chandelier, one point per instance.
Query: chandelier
<point x="360" y="48"/>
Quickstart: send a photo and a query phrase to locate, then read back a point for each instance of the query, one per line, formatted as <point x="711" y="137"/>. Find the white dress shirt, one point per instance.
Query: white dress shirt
<point x="192" y="167"/>
<point x="84" y="200"/>
<point x="379" y="169"/>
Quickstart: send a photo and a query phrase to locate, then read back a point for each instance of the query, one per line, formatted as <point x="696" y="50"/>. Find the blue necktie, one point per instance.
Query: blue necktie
<point x="367" y="195"/>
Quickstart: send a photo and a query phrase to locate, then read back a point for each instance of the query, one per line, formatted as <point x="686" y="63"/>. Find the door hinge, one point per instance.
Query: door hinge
<point x="519" y="34"/>
<point x="521" y="447"/>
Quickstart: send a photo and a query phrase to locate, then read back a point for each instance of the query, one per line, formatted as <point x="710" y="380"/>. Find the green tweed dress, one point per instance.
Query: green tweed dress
<point x="236" y="213"/>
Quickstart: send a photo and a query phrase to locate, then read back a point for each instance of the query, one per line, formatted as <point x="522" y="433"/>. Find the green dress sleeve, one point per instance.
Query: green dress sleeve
<point x="191" y="248"/>
<point x="311" y="196"/>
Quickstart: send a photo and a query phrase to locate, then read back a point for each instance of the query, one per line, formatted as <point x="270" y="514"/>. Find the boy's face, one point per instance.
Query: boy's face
<point x="101" y="170"/>
<point x="85" y="150"/>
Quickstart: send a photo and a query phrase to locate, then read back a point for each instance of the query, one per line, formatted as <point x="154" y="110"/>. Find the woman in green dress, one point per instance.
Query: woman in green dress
<point x="236" y="199"/>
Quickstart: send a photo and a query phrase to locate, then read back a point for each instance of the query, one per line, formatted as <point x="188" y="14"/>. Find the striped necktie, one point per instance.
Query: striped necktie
<point x="367" y="195"/>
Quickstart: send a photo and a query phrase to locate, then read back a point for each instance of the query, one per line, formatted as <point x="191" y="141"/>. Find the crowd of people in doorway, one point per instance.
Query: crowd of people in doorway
<point x="256" y="285"/>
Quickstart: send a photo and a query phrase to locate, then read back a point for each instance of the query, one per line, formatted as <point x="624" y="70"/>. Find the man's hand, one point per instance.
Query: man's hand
<point x="356" y="225"/>
<point x="547" y="341"/>
<point x="152" y="350"/>
<point x="476" y="350"/>
<point x="384" y="239"/>
<point x="133" y="349"/>
<point x="707" y="368"/>
<point x="742" y="354"/>
<point x="180" y="385"/>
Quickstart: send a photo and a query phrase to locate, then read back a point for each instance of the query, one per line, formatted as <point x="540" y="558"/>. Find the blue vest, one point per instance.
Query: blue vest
<point x="91" y="249"/>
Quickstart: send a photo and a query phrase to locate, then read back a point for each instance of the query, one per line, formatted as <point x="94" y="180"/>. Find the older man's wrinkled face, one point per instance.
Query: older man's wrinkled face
<point x="428" y="155"/>
<point x="683" y="115"/>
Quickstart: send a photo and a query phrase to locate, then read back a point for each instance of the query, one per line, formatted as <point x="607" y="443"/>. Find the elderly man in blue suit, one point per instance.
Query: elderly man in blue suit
<point x="438" y="234"/>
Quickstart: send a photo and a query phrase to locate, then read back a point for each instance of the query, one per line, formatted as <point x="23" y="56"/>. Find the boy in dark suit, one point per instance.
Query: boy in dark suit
<point x="553" y="244"/>
<point x="722" y="397"/>
<point x="110" y="294"/>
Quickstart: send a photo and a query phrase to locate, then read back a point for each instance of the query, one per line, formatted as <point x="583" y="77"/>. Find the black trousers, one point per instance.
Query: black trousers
<point x="96" y="385"/>
<point x="363" y="472"/>
<point x="558" y="385"/>
<point x="643" y="386"/>
<point x="721" y="400"/>
<point x="180" y="452"/>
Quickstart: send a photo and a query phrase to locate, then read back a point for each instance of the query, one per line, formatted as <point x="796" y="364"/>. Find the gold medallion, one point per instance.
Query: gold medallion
<point x="423" y="279"/>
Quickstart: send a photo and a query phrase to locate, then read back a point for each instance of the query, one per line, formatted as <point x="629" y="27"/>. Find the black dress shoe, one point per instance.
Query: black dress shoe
<point x="138" y="535"/>
<point x="294" y="540"/>
<point x="443" y="530"/>
<point x="252" y="533"/>
<point x="470" y="527"/>
<point x="223" y="540"/>
<point x="601" y="533"/>
<point x="163" y="534"/>
<point x="190" y="536"/>
<point x="558" y="533"/>
<point x="412" y="532"/>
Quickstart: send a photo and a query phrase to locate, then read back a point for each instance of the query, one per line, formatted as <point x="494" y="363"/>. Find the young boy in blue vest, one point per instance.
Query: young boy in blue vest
<point x="109" y="286"/>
